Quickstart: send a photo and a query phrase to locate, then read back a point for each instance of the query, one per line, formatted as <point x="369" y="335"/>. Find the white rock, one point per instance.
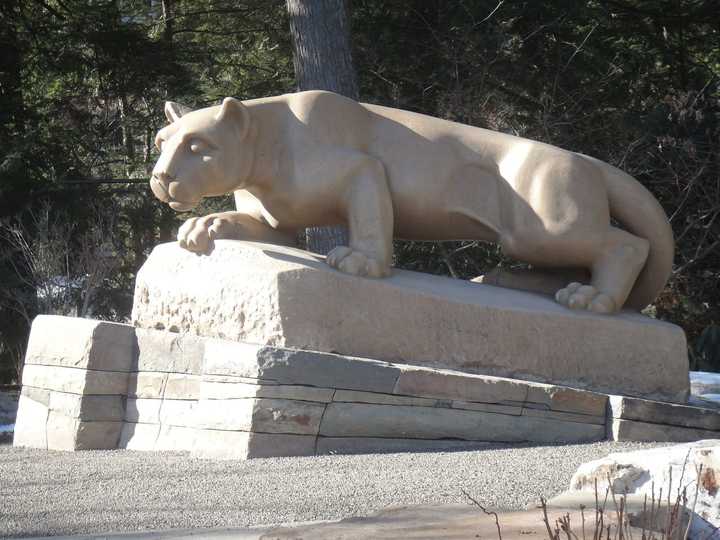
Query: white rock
<point x="667" y="468"/>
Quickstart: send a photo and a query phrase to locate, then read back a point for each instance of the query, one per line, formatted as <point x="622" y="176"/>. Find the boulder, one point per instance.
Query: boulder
<point x="691" y="469"/>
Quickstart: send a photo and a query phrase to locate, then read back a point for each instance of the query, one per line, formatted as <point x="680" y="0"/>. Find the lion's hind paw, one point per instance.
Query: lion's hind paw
<point x="356" y="263"/>
<point x="579" y="296"/>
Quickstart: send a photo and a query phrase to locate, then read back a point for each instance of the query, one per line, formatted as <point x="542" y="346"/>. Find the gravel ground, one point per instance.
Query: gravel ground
<point x="46" y="493"/>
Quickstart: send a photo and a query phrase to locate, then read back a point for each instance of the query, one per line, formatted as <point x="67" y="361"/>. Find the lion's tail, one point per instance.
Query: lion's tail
<point x="640" y="213"/>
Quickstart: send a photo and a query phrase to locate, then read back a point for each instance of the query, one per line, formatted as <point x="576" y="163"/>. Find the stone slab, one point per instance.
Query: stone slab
<point x="277" y="296"/>
<point x="632" y="430"/>
<point x="567" y="399"/>
<point x="447" y="384"/>
<point x="245" y="445"/>
<point x="67" y="433"/>
<point x="353" y="396"/>
<point x="564" y="417"/>
<point x="168" y="351"/>
<point x="41" y="395"/>
<point x="211" y="389"/>
<point x="139" y="436"/>
<point x="261" y="415"/>
<point x="75" y="380"/>
<point x="298" y="367"/>
<point x="80" y="343"/>
<point x="147" y="384"/>
<point x="182" y="386"/>
<point x="664" y="413"/>
<point x="31" y="423"/>
<point x="88" y="407"/>
<point x="143" y="410"/>
<point x="394" y="421"/>
<point x="375" y="445"/>
<point x="176" y="439"/>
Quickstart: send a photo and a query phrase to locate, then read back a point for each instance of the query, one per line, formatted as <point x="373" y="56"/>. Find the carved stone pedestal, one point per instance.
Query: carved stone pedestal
<point x="259" y="351"/>
<point x="286" y="297"/>
<point x="96" y="385"/>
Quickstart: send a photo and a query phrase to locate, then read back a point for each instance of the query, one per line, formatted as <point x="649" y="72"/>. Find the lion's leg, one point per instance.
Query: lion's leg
<point x="369" y="210"/>
<point x="197" y="234"/>
<point x="613" y="257"/>
<point x="615" y="268"/>
<point x="536" y="280"/>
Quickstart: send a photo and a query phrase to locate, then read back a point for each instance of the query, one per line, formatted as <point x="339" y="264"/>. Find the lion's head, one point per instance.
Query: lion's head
<point x="203" y="153"/>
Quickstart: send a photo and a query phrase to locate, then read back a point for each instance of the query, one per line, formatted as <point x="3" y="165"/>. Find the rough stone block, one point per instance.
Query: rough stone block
<point x="261" y="415"/>
<point x="182" y="386"/>
<point x="168" y="351"/>
<point x="31" y="421"/>
<point x="564" y="416"/>
<point x="75" y="380"/>
<point x="143" y="410"/>
<point x="40" y="395"/>
<point x="370" y="445"/>
<point x="513" y="410"/>
<point x="567" y="399"/>
<point x="227" y="389"/>
<point x="352" y="396"/>
<point x="277" y="296"/>
<point x="245" y="445"/>
<point x="87" y="407"/>
<point x="176" y="439"/>
<point x="177" y="412"/>
<point x="296" y="367"/>
<point x="66" y="433"/>
<point x="149" y="385"/>
<point x="392" y="421"/>
<point x="664" y="413"/>
<point x="631" y="430"/>
<point x="80" y="343"/>
<point x="136" y="436"/>
<point x="448" y="384"/>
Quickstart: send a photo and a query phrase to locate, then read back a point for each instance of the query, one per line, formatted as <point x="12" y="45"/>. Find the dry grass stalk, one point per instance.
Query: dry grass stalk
<point x="485" y="511"/>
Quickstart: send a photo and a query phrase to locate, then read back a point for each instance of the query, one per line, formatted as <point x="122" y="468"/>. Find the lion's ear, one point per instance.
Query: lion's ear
<point x="232" y="108"/>
<point x="175" y="111"/>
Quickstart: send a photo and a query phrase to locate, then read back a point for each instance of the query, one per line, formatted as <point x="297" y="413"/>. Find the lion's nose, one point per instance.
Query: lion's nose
<point x="162" y="177"/>
<point x="159" y="184"/>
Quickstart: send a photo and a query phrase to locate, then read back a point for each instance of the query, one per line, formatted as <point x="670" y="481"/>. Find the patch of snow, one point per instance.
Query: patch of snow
<point x="704" y="384"/>
<point x="705" y="377"/>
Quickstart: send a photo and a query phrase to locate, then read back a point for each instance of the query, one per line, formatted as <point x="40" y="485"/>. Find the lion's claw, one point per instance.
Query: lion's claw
<point x="198" y="234"/>
<point x="578" y="296"/>
<point x="355" y="263"/>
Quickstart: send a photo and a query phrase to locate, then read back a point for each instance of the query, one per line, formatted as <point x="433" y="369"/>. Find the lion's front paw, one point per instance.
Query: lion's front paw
<point x="579" y="296"/>
<point x="197" y="234"/>
<point x="356" y="263"/>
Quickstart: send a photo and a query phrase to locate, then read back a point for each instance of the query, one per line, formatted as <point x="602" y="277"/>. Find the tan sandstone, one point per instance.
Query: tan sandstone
<point x="272" y="295"/>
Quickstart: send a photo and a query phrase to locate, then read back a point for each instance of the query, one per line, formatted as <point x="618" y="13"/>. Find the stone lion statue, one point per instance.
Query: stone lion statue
<point x="317" y="158"/>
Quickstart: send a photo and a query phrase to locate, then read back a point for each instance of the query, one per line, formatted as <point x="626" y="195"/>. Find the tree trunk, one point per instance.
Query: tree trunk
<point x="323" y="61"/>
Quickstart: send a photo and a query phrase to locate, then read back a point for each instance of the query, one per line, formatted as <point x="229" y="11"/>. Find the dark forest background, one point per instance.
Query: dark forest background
<point x="82" y="86"/>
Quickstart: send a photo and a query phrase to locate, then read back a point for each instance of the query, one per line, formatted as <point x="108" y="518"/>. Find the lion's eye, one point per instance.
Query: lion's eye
<point x="195" y="147"/>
